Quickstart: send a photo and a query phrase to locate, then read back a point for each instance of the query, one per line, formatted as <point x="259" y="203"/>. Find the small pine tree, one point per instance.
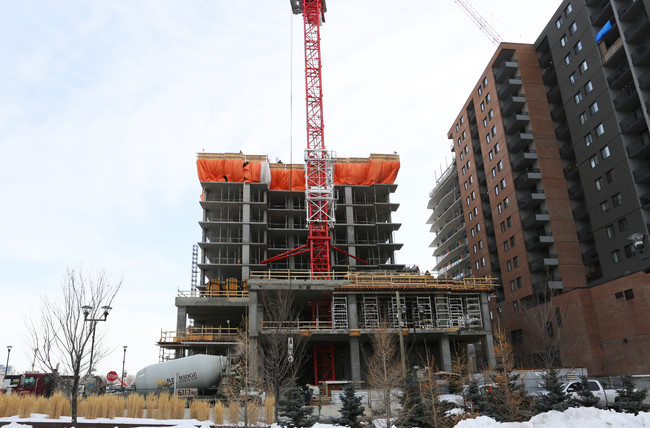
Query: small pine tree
<point x="474" y="400"/>
<point x="630" y="399"/>
<point x="294" y="412"/>
<point x="351" y="409"/>
<point x="412" y="413"/>
<point x="585" y="397"/>
<point x="555" y="398"/>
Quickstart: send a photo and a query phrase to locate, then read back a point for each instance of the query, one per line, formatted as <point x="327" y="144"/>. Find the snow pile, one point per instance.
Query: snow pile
<point x="573" y="417"/>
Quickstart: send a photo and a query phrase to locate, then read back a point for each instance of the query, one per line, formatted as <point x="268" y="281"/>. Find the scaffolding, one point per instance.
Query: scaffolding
<point x="442" y="312"/>
<point x="423" y="312"/>
<point x="340" y="312"/>
<point x="456" y="318"/>
<point x="394" y="308"/>
<point x="473" y="305"/>
<point x="370" y="312"/>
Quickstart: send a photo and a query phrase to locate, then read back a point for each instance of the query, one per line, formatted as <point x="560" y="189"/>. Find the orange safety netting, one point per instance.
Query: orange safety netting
<point x="233" y="170"/>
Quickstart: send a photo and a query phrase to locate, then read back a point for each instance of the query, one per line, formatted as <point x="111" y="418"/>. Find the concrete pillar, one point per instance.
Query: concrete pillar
<point x="349" y="230"/>
<point x="355" y="358"/>
<point x="253" y="314"/>
<point x="181" y="325"/>
<point x="246" y="231"/>
<point x="488" y="341"/>
<point x="445" y="353"/>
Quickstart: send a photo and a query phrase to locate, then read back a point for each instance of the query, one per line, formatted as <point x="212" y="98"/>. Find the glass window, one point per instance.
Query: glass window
<point x="488" y="98"/>
<point x="630" y="251"/>
<point x="568" y="9"/>
<point x="610" y="231"/>
<point x="558" y="22"/>
<point x="463" y="170"/>
<point x="506" y="202"/>
<point x="567" y="59"/>
<point x="519" y="282"/>
<point x="470" y="216"/>
<point x="588" y="140"/>
<point x="515" y="261"/>
<point x="456" y="127"/>
<point x="494" y="172"/>
<point x="480" y="244"/>
<point x="473" y="194"/>
<point x="617" y="200"/>
<point x="464" y="135"/>
<point x="499" y="165"/>
<point x="593" y="161"/>
<point x="488" y="138"/>
<point x="465" y="184"/>
<point x="459" y="141"/>
<point x="616" y="256"/>
<point x="474" y="247"/>
<point x="512" y="241"/>
<point x="604" y="207"/>
<point x="563" y="41"/>
<point x="594" y="107"/>
<point x="512" y="285"/>
<point x="600" y="130"/>
<point x="611" y="175"/>
<point x="573" y="77"/>
<point x="490" y="114"/>
<point x="577" y="97"/>
<point x="622" y="224"/>
<point x="462" y="120"/>
<point x="482" y="261"/>
<point x="583" y="66"/>
<point x="468" y="200"/>
<point x="503" y="183"/>
<point x="473" y="233"/>
<point x="506" y="246"/>
<point x="480" y="91"/>
<point x="509" y="265"/>
<point x="496" y="190"/>
<point x="482" y="106"/>
<point x="484" y="81"/>
<point x="499" y="207"/>
<point x="578" y="47"/>
<point x="605" y="153"/>
<point x="573" y="28"/>
<point x="599" y="183"/>
<point x="475" y="210"/>
<point x="491" y="155"/>
<point x="485" y="122"/>
<point x="462" y="155"/>
<point x="469" y="164"/>
<point x="515" y="306"/>
<point x="494" y="130"/>
<point x="509" y="221"/>
<point x="466" y="149"/>
<point x="589" y="87"/>
<point x="471" y="179"/>
<point x="496" y="148"/>
<point x="503" y="226"/>
<point x="583" y="118"/>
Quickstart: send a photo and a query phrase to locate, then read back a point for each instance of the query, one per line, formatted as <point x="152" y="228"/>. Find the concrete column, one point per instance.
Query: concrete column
<point x="181" y="325"/>
<point x="355" y="358"/>
<point x="246" y="232"/>
<point x="488" y="341"/>
<point x="253" y="315"/>
<point x="353" y="319"/>
<point x="349" y="230"/>
<point x="445" y="353"/>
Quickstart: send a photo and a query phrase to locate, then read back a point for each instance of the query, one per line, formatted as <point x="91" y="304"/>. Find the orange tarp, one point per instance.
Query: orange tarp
<point x="232" y="170"/>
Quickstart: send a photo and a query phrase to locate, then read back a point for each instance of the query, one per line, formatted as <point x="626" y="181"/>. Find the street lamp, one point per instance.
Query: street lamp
<point x="123" y="361"/>
<point x="94" y="321"/>
<point x="420" y="312"/>
<point x="7" y="365"/>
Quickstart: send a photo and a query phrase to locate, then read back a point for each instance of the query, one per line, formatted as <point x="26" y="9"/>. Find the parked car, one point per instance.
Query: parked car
<point x="606" y="397"/>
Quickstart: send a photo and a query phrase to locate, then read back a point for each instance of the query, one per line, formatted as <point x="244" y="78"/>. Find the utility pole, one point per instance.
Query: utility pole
<point x="401" y="334"/>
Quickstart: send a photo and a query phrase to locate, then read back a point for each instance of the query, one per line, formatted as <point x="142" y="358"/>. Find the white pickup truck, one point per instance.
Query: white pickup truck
<point x="606" y="397"/>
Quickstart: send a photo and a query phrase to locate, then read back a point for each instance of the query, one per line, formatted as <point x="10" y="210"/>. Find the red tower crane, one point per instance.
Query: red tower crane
<point x="319" y="164"/>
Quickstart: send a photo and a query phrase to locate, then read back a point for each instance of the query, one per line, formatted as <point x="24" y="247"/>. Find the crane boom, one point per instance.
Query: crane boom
<point x="480" y="22"/>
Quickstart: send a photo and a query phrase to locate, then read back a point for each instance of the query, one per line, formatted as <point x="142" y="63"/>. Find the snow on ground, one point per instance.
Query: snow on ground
<point x="585" y="417"/>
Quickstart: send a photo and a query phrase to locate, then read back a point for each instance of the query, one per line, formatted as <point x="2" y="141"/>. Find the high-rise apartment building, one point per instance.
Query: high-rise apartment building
<point x="552" y="152"/>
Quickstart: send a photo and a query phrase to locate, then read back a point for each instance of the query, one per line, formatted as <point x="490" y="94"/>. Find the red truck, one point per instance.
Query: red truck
<point x="33" y="383"/>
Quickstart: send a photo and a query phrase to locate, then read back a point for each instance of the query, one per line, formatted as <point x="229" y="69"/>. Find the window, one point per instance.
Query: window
<point x="464" y="135"/>
<point x="478" y="227"/>
<point x="468" y="200"/>
<point x="503" y="226"/>
<point x="610" y="231"/>
<point x="558" y="22"/>
<point x="499" y="165"/>
<point x="470" y="216"/>
<point x="463" y="170"/>
<point x="509" y="221"/>
<point x="491" y="155"/>
<point x="499" y="208"/>
<point x="599" y="183"/>
<point x="600" y="130"/>
<point x="583" y="118"/>
<point x="471" y="179"/>
<point x="618" y="295"/>
<point x="484" y="82"/>
<point x="515" y="261"/>
<point x="515" y="306"/>
<point x="462" y="120"/>
<point x="485" y="122"/>
<point x="488" y="98"/>
<point x="611" y="176"/>
<point x="578" y="47"/>
<point x="583" y="66"/>
<point x="629" y="294"/>
<point x="475" y="210"/>
<point x="462" y="156"/>
<point x="469" y="164"/>
<point x="567" y="59"/>
<point x="594" y="107"/>
<point x="593" y="161"/>
<point x="506" y="202"/>
<point x="473" y="195"/>
<point x="519" y="282"/>
<point x="477" y="265"/>
<point x="616" y="256"/>
<point x="577" y="97"/>
<point x="487" y="138"/>
<point x="604" y="207"/>
<point x="630" y="251"/>
<point x="563" y="41"/>
<point x="573" y="28"/>
<point x="482" y="106"/>
<point x="473" y="233"/>
<point x="494" y="130"/>
<point x="573" y="78"/>
<point x="512" y="242"/>
<point x="482" y="261"/>
<point x="604" y="152"/>
<point x="490" y="114"/>
<point x="509" y="265"/>
<point x="459" y="142"/>
<point x="465" y="185"/>
<point x="512" y="285"/>
<point x="474" y="247"/>
<point x="465" y="149"/>
<point x="589" y="87"/>
<point x="480" y="91"/>
<point x="588" y="139"/>
<point x="494" y="172"/>
<point x="506" y="247"/>
<point x="480" y="244"/>
<point x="622" y="224"/>
<point x="503" y="183"/>
<point x="456" y="127"/>
<point x="496" y="190"/>
<point x="617" y="200"/>
<point x="517" y="336"/>
<point x="496" y="148"/>
<point x="568" y="9"/>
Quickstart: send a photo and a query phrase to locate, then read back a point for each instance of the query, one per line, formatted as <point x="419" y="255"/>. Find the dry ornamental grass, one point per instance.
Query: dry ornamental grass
<point x="200" y="410"/>
<point x="219" y="412"/>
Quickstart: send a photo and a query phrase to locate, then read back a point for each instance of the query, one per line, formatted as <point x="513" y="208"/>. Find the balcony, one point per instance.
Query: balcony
<point x="523" y="160"/>
<point x="519" y="142"/>
<point x="641" y="56"/>
<point x="510" y="87"/>
<point x="549" y="76"/>
<point x="630" y="9"/>
<point x="505" y="70"/>
<point x="538" y="242"/>
<point x="562" y="132"/>
<point x="555" y="285"/>
<point x="627" y="99"/>
<point x="571" y="171"/>
<point x="585" y="234"/>
<point x="531" y="201"/>
<point x="516" y="122"/>
<point x="580" y="213"/>
<point x="639" y="147"/>
<point x="554" y="96"/>
<point x="614" y="54"/>
<point x="645" y="200"/>
<point x="620" y="77"/>
<point x="644" y="80"/>
<point x="527" y="179"/>
<point x="535" y="220"/>
<point x="567" y="151"/>
<point x="512" y="105"/>
<point x="576" y="191"/>
<point x="589" y="256"/>
<point x="541" y="263"/>
<point x="545" y="59"/>
<point x="558" y="114"/>
<point x="642" y="174"/>
<point x="638" y="30"/>
<point x="600" y="17"/>
<point x="633" y="124"/>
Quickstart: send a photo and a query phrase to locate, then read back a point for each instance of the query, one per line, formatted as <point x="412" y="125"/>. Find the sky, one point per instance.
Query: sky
<point x="105" y="104"/>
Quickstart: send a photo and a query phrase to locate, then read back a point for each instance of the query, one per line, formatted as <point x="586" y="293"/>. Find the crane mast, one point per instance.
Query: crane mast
<point x="319" y="163"/>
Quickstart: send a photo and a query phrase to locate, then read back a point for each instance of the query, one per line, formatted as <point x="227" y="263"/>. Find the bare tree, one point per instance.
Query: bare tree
<point x="384" y="369"/>
<point x="244" y="383"/>
<point x="281" y="360"/>
<point x="60" y="335"/>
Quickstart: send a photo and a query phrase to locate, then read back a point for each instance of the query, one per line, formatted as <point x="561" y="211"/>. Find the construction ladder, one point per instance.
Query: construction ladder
<point x="370" y="312"/>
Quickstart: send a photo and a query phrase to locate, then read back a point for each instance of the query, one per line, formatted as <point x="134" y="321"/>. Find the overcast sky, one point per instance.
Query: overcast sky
<point x="104" y="105"/>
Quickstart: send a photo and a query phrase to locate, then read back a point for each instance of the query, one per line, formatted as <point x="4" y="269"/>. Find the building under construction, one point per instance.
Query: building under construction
<point x="254" y="210"/>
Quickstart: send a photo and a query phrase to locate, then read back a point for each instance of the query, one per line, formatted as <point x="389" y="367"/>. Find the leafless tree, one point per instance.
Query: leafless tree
<point x="384" y="369"/>
<point x="281" y="323"/>
<point x="244" y="384"/>
<point x="59" y="333"/>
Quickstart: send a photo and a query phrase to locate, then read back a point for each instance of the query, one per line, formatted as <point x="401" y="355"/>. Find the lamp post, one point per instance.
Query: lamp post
<point x="94" y="321"/>
<point x="420" y="312"/>
<point x="123" y="361"/>
<point x="7" y="365"/>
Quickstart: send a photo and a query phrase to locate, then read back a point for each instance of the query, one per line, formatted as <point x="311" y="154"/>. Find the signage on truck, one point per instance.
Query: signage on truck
<point x="187" y="392"/>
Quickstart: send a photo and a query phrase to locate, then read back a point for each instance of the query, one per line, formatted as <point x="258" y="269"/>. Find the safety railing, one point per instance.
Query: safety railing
<point x="199" y="334"/>
<point x="213" y="293"/>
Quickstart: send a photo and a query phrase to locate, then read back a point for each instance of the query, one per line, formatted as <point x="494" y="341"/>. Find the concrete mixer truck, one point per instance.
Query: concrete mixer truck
<point x="200" y="372"/>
